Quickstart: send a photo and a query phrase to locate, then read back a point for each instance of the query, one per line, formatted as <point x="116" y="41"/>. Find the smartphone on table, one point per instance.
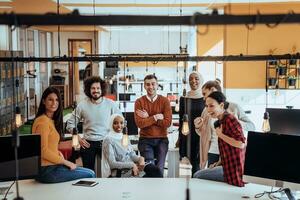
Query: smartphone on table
<point x="85" y="183"/>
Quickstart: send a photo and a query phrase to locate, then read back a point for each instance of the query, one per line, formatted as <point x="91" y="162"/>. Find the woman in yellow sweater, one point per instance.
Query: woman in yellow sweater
<point x="48" y="123"/>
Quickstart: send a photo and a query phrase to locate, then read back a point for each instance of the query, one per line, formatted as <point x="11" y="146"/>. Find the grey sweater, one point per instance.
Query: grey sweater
<point x="95" y="118"/>
<point x="117" y="156"/>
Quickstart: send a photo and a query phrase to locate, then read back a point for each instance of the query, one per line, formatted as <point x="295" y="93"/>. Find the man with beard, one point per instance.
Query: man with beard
<point x="153" y="115"/>
<point x="95" y="111"/>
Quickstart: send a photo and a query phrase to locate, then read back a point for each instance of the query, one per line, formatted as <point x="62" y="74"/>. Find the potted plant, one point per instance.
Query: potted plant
<point x="281" y="71"/>
<point x="272" y="82"/>
<point x="292" y="81"/>
<point x="273" y="62"/>
<point x="293" y="61"/>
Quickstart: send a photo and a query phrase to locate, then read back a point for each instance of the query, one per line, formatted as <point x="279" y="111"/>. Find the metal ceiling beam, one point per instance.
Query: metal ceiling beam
<point x="129" y="20"/>
<point x="163" y="58"/>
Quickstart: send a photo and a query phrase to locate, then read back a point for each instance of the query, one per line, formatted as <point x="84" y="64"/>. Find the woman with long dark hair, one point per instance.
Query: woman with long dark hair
<point x="48" y="124"/>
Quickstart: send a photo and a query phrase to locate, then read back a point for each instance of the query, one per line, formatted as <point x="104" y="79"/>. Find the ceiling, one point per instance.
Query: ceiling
<point x="124" y="7"/>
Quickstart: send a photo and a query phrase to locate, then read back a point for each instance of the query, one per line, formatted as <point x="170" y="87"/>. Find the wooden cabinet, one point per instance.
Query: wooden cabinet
<point x="64" y="94"/>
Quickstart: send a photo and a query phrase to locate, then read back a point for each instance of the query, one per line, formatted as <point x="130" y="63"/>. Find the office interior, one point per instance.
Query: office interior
<point x="255" y="85"/>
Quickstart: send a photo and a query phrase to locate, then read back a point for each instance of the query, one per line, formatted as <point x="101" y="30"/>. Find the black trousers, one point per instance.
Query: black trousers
<point x="88" y="155"/>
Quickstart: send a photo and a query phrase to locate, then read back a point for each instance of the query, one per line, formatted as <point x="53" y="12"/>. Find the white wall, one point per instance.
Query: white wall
<point x="65" y="36"/>
<point x="143" y="40"/>
<point x="4" y="38"/>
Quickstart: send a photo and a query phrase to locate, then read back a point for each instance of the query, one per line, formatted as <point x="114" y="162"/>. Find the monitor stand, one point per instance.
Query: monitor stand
<point x="289" y="194"/>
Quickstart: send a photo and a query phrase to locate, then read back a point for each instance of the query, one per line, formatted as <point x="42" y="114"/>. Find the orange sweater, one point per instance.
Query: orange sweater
<point x="149" y="127"/>
<point x="45" y="127"/>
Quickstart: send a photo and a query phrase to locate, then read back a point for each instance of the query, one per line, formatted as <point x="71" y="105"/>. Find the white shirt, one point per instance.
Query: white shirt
<point x="153" y="99"/>
<point x="214" y="147"/>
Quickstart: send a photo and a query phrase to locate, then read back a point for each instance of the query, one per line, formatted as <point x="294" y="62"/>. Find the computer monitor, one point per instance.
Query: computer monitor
<point x="131" y="126"/>
<point x="284" y="121"/>
<point x="29" y="156"/>
<point x="272" y="159"/>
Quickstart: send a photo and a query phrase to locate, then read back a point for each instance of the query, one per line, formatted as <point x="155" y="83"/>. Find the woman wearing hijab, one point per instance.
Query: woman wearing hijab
<point x="192" y="105"/>
<point x="118" y="160"/>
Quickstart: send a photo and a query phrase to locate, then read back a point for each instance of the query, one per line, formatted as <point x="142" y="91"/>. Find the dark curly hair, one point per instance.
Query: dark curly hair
<point x="88" y="83"/>
<point x="58" y="114"/>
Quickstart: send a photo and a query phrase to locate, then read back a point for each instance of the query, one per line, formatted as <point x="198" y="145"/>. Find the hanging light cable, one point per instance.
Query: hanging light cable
<point x="185" y="121"/>
<point x="124" y="140"/>
<point x="177" y="79"/>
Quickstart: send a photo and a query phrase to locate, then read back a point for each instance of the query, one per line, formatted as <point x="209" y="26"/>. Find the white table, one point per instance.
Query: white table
<point x="137" y="189"/>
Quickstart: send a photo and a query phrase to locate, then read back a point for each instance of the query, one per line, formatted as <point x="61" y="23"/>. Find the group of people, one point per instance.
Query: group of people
<point x="216" y="138"/>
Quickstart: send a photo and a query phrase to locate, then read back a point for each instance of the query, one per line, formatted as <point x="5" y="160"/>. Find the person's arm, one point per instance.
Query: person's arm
<point x="109" y="154"/>
<point x="244" y="120"/>
<point x="167" y="112"/>
<point x="71" y="121"/>
<point x="237" y="140"/>
<point x="139" y="121"/>
<point x="44" y="130"/>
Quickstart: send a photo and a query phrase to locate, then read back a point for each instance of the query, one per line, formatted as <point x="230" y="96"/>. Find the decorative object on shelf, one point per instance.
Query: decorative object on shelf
<point x="272" y="82"/>
<point x="283" y="74"/>
<point x="282" y="70"/>
<point x="292" y="82"/>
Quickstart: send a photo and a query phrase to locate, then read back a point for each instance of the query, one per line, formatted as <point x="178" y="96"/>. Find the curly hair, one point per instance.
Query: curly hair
<point x="88" y="83"/>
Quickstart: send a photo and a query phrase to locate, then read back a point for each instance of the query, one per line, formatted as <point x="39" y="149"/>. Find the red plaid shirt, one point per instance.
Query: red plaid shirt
<point x="232" y="158"/>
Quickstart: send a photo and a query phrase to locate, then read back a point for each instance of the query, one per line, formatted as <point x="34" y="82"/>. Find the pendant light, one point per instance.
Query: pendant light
<point x="75" y="136"/>
<point x="125" y="140"/>
<point x="266" y="124"/>
<point x="177" y="80"/>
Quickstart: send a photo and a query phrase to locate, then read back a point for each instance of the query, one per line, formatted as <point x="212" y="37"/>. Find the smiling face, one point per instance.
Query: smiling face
<point x="118" y="124"/>
<point x="95" y="91"/>
<point x="215" y="110"/>
<point x="51" y="103"/>
<point x="194" y="81"/>
<point x="151" y="86"/>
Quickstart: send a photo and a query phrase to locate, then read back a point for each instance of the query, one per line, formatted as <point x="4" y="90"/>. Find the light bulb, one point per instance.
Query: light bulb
<point x="127" y="81"/>
<point x="18" y="117"/>
<point x="185" y="125"/>
<point x="18" y="120"/>
<point x="124" y="140"/>
<point x="266" y="123"/>
<point x="75" y="140"/>
<point x="177" y="106"/>
<point x="111" y="81"/>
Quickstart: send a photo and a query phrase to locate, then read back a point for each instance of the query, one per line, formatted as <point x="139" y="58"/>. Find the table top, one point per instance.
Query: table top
<point x="137" y="188"/>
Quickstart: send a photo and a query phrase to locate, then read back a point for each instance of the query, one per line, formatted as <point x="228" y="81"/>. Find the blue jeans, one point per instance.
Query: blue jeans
<point x="61" y="173"/>
<point x="214" y="174"/>
<point x="212" y="158"/>
<point x="154" y="151"/>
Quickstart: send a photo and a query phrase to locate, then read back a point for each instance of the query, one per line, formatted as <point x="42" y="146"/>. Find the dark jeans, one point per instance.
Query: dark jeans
<point x="88" y="155"/>
<point x="212" y="158"/>
<point x="61" y="173"/>
<point x="154" y="150"/>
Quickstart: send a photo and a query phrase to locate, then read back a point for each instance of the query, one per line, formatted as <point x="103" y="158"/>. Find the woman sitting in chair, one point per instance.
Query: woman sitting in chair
<point x="121" y="161"/>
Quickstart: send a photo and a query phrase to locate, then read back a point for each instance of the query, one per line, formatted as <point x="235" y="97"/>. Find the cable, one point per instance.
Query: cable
<point x="4" y="198"/>
<point x="270" y="194"/>
<point x="58" y="31"/>
<point x="282" y="20"/>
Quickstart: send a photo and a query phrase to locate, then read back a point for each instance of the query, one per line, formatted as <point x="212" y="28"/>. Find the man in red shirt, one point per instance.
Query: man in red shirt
<point x="153" y="115"/>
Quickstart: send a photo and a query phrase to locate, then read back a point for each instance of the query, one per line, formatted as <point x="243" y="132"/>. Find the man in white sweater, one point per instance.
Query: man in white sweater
<point x="95" y="111"/>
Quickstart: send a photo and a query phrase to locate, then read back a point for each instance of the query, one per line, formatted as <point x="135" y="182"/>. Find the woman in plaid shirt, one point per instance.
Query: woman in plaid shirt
<point x="231" y="142"/>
